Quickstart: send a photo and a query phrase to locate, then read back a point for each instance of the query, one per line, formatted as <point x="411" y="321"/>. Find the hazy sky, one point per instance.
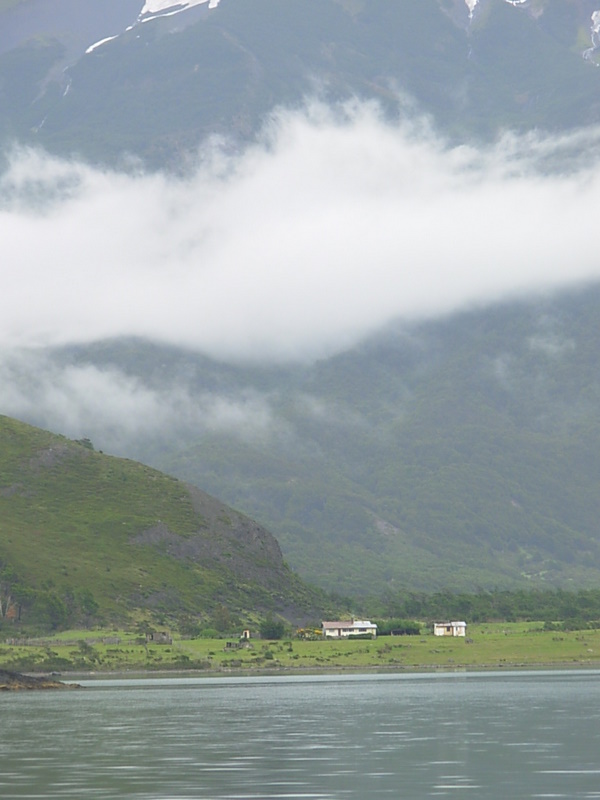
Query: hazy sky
<point x="301" y="245"/>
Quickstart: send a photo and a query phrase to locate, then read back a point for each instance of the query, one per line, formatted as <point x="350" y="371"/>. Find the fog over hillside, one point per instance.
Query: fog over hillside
<point x="335" y="223"/>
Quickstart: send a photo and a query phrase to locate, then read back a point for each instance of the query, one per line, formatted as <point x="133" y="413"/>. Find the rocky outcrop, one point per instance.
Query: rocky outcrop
<point x="14" y="681"/>
<point x="225" y="538"/>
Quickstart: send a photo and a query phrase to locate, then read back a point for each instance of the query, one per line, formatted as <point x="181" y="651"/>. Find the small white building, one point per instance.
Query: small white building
<point x="345" y="628"/>
<point x="449" y="628"/>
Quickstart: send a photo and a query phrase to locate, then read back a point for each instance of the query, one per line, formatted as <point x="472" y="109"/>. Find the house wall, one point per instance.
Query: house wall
<point x="357" y="628"/>
<point x="449" y="629"/>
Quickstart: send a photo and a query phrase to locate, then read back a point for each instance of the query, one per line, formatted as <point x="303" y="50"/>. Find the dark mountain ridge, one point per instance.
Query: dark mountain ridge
<point x="158" y="89"/>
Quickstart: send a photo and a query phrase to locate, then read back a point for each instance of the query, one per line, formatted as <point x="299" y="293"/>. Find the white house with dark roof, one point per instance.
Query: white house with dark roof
<point x="343" y="629"/>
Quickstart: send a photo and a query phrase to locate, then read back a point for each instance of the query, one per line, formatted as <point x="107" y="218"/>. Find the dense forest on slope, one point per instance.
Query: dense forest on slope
<point x="461" y="453"/>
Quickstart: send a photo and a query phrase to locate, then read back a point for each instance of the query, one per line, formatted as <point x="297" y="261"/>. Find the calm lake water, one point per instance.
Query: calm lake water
<point x="483" y="735"/>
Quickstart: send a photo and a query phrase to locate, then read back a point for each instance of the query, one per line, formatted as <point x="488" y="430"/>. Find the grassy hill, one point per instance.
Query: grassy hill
<point x="85" y="537"/>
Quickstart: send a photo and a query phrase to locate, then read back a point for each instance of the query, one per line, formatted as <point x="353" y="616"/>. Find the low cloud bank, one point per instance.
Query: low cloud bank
<point x="118" y="411"/>
<point x="334" y="224"/>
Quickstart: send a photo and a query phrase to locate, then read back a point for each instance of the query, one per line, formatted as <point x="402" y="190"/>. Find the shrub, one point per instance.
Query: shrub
<point x="272" y="628"/>
<point x="209" y="633"/>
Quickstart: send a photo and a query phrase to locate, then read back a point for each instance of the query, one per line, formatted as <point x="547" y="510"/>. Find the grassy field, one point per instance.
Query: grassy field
<point x="523" y="645"/>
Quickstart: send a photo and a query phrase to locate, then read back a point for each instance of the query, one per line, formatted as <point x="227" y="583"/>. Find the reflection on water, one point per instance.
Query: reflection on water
<point x="517" y="735"/>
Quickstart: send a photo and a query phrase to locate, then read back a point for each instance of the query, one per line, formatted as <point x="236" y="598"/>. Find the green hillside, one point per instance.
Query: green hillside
<point x="87" y="538"/>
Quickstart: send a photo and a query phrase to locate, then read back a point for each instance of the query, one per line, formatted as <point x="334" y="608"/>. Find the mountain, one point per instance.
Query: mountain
<point x="457" y="453"/>
<point x="438" y="449"/>
<point x="88" y="538"/>
<point x="109" y="80"/>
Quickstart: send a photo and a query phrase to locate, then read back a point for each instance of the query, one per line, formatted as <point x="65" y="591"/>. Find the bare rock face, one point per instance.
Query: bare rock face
<point x="14" y="681"/>
<point x="226" y="538"/>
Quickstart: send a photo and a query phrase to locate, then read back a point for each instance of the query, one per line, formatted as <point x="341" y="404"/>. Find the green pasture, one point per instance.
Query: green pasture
<point x="488" y="646"/>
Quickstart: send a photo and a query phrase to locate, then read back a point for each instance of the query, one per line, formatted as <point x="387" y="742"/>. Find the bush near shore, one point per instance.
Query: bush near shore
<point x="487" y="646"/>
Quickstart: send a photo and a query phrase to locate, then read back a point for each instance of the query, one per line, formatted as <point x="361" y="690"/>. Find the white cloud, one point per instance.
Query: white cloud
<point x="298" y="247"/>
<point x="115" y="409"/>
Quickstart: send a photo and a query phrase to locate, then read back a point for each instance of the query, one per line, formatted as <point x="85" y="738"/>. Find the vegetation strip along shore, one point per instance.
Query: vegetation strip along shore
<point x="487" y="646"/>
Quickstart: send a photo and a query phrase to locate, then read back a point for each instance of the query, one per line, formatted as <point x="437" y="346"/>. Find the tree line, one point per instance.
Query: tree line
<point x="544" y="605"/>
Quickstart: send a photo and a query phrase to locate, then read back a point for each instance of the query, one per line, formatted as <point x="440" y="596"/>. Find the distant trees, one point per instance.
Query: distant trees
<point x="46" y="608"/>
<point x="272" y="628"/>
<point x="190" y="627"/>
<point x="545" y="605"/>
<point x="11" y="593"/>
<point x="223" y="620"/>
<point x="398" y="627"/>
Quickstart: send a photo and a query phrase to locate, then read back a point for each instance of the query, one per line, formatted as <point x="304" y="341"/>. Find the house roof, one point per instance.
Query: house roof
<point x="346" y="623"/>
<point x="456" y="624"/>
<point x="349" y="623"/>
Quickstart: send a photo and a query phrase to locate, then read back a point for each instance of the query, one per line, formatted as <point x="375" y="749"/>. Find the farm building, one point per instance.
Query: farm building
<point x="449" y="628"/>
<point x="159" y="637"/>
<point x="346" y="628"/>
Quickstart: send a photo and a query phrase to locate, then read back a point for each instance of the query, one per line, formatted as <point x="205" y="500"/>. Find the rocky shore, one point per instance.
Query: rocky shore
<point x="14" y="681"/>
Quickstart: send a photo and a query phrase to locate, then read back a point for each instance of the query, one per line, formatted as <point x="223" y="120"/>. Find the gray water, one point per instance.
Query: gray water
<point x="485" y="735"/>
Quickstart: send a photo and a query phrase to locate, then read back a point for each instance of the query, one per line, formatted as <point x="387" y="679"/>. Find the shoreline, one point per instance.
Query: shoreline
<point x="25" y="682"/>
<point x="427" y="669"/>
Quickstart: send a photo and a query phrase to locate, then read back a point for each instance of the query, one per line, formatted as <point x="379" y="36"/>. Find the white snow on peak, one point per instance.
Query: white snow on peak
<point x="471" y="6"/>
<point x="157" y="8"/>
<point x="168" y="7"/>
<point x="595" y="33"/>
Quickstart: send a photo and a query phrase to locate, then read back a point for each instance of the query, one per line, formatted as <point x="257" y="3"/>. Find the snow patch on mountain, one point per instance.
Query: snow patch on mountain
<point x="154" y="9"/>
<point x="92" y="47"/>
<point x="595" y="34"/>
<point x="471" y="5"/>
<point x="166" y="8"/>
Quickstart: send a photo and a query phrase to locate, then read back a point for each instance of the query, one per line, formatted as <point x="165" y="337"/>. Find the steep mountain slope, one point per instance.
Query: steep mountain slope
<point x="87" y="537"/>
<point x="459" y="453"/>
<point x="158" y="88"/>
